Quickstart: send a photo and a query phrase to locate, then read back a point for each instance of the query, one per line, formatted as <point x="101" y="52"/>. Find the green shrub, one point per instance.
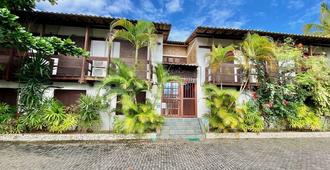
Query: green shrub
<point x="8" y="121"/>
<point x="252" y="119"/>
<point x="223" y="116"/>
<point x="34" y="120"/>
<point x="56" y="120"/>
<point x="139" y="118"/>
<point x="89" y="108"/>
<point x="304" y="118"/>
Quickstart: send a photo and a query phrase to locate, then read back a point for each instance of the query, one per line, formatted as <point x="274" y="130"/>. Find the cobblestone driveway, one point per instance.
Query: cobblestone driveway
<point x="209" y="154"/>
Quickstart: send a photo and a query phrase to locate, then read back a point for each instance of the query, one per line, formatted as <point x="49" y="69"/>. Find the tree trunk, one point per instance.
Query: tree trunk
<point x="136" y="58"/>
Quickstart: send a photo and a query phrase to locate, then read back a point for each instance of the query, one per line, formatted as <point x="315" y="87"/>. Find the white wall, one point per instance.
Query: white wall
<point x="202" y="64"/>
<point x="156" y="58"/>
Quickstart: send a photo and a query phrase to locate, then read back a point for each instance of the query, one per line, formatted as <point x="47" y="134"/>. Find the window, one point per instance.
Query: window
<point x="9" y="96"/>
<point x="171" y="90"/>
<point x="68" y="97"/>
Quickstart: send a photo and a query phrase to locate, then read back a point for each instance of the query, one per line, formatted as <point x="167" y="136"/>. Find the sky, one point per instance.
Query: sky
<point x="287" y="16"/>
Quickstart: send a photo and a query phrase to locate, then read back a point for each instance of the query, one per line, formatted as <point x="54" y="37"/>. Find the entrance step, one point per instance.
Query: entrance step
<point x="181" y="128"/>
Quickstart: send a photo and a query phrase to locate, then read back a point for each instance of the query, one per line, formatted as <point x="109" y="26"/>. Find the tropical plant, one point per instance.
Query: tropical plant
<point x="139" y="118"/>
<point x="220" y="55"/>
<point x="315" y="80"/>
<point x="252" y="119"/>
<point x="140" y="34"/>
<point x="304" y="118"/>
<point x="223" y="116"/>
<point x="257" y="51"/>
<point x="56" y="119"/>
<point x="163" y="77"/>
<point x="34" y="120"/>
<point x="123" y="80"/>
<point x="323" y="28"/>
<point x="89" y="108"/>
<point x="8" y="121"/>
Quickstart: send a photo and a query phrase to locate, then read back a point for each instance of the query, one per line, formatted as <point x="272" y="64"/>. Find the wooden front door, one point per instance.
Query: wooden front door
<point x="179" y="99"/>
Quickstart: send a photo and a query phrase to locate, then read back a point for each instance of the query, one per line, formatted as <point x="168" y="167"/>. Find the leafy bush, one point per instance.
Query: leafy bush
<point x="89" y="107"/>
<point x="139" y="118"/>
<point x="316" y="82"/>
<point x="8" y="121"/>
<point x="56" y="119"/>
<point x="252" y="119"/>
<point x="222" y="116"/>
<point x="304" y="118"/>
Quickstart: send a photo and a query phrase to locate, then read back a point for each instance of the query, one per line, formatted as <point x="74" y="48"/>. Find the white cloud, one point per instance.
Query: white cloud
<point x="75" y="6"/>
<point x="179" y="34"/>
<point x="118" y="7"/>
<point x="173" y="6"/>
<point x="295" y="4"/>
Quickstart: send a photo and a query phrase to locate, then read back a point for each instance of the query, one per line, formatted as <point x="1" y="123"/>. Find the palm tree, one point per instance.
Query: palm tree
<point x="163" y="77"/>
<point x="123" y="80"/>
<point x="218" y="56"/>
<point x="324" y="27"/>
<point x="141" y="34"/>
<point x="256" y="51"/>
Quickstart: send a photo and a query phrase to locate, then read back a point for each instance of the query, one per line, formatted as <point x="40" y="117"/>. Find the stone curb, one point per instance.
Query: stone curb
<point x="44" y="137"/>
<point x="266" y="135"/>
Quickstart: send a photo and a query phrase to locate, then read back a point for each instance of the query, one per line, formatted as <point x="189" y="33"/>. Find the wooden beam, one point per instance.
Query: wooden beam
<point x="86" y="47"/>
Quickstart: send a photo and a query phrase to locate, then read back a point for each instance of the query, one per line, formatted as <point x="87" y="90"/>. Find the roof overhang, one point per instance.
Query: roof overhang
<point x="239" y="34"/>
<point x="80" y="20"/>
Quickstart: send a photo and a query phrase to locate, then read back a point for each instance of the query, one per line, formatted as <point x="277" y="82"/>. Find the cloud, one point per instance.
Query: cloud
<point x="173" y="6"/>
<point x="180" y="34"/>
<point x="95" y="7"/>
<point x="295" y="4"/>
<point x="118" y="7"/>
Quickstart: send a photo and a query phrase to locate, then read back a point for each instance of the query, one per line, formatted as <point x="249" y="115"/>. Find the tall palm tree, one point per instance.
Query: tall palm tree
<point x="324" y="27"/>
<point x="256" y="50"/>
<point x="141" y="34"/>
<point x="218" y="56"/>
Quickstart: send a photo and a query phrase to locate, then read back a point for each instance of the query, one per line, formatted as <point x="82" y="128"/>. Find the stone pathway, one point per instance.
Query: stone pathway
<point x="208" y="154"/>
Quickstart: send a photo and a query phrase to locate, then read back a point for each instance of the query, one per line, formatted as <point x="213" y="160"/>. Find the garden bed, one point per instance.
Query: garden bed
<point x="47" y="137"/>
<point x="252" y="135"/>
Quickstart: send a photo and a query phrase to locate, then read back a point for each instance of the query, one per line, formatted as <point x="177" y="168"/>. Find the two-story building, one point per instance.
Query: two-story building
<point x="73" y="76"/>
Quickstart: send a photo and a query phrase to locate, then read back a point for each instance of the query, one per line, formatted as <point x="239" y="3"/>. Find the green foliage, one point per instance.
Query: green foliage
<point x="8" y="121"/>
<point x="13" y="35"/>
<point x="304" y="118"/>
<point x="252" y="119"/>
<point x="141" y="34"/>
<point x="220" y="55"/>
<point x="315" y="81"/>
<point x="123" y="80"/>
<point x="89" y="108"/>
<point x="56" y="119"/>
<point x="222" y="116"/>
<point x="163" y="77"/>
<point x="323" y="28"/>
<point x="139" y="118"/>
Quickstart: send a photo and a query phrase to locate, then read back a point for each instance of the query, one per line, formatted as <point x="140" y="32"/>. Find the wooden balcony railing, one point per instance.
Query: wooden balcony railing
<point x="174" y="60"/>
<point x="71" y="68"/>
<point x="229" y="74"/>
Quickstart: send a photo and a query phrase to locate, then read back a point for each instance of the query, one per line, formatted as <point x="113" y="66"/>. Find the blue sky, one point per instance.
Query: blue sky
<point x="184" y="15"/>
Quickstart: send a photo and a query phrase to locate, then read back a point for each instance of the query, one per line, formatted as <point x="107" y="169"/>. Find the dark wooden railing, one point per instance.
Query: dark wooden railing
<point x="229" y="74"/>
<point x="174" y="60"/>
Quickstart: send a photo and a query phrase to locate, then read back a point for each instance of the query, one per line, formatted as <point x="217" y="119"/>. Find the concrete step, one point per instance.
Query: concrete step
<point x="197" y="136"/>
<point x="180" y="127"/>
<point x="182" y="132"/>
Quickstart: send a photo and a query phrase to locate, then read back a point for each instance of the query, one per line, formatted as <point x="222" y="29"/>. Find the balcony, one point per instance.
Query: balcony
<point x="229" y="75"/>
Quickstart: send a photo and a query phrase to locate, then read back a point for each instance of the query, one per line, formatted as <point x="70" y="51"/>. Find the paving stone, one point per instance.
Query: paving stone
<point x="170" y="154"/>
